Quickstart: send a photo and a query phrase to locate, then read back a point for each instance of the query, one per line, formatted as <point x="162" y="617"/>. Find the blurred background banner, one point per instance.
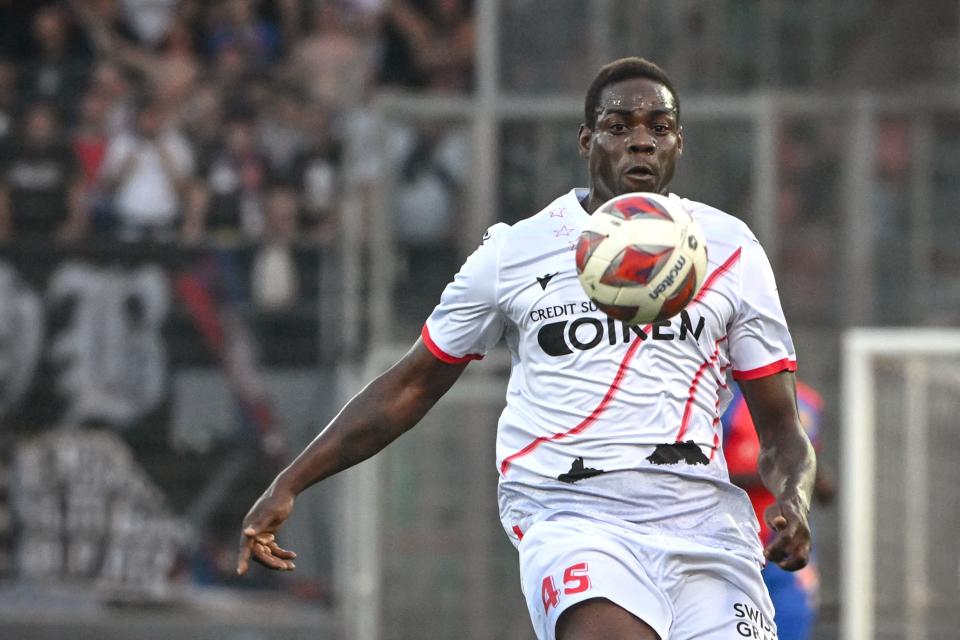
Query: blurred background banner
<point x="142" y="404"/>
<point x="219" y="219"/>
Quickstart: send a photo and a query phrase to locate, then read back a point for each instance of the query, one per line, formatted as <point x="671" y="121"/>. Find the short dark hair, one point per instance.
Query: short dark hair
<point x="616" y="71"/>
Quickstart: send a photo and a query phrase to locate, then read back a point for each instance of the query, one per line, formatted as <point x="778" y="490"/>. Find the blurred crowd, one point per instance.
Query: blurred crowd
<point x="207" y="122"/>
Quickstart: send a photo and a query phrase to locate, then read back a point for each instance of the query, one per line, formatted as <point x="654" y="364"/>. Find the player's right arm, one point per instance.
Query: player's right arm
<point x="463" y="327"/>
<point x="389" y="406"/>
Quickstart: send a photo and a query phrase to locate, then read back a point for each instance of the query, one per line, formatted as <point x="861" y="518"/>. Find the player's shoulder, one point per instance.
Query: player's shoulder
<point x="717" y="224"/>
<point x="561" y="218"/>
<point x="494" y="234"/>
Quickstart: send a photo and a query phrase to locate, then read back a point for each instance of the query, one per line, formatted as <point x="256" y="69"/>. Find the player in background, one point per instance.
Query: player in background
<point x="613" y="485"/>
<point x="795" y="595"/>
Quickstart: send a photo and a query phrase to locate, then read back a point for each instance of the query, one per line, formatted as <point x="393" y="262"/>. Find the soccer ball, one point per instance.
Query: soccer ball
<point x="641" y="258"/>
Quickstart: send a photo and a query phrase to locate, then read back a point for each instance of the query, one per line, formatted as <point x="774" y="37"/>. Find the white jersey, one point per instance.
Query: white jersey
<point x="590" y="397"/>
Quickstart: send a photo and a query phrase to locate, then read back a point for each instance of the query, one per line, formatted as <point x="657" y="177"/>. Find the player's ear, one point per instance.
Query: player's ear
<point x="584" y="136"/>
<point x="680" y="141"/>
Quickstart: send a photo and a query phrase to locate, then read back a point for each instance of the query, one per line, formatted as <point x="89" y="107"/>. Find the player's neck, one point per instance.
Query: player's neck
<point x="591" y="202"/>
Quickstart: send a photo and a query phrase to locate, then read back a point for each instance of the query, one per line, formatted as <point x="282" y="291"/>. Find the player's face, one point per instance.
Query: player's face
<point x="635" y="143"/>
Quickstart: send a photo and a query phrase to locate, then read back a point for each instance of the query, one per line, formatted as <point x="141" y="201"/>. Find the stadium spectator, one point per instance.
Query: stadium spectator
<point x="332" y="63"/>
<point x="317" y="173"/>
<point x="171" y="72"/>
<point x="433" y="173"/>
<point x="90" y="136"/>
<point x="795" y="595"/>
<point x="112" y="83"/>
<point x="149" y="21"/>
<point x="57" y="69"/>
<point x="234" y="175"/>
<point x="274" y="274"/>
<point x="147" y="172"/>
<point x="430" y="186"/>
<point x="808" y="188"/>
<point x="364" y="17"/>
<point x="8" y="101"/>
<point x="231" y="73"/>
<point x="429" y="45"/>
<point x="237" y="26"/>
<point x="281" y="126"/>
<point x="201" y="118"/>
<point x="40" y="183"/>
<point x="282" y="215"/>
<point x="89" y="141"/>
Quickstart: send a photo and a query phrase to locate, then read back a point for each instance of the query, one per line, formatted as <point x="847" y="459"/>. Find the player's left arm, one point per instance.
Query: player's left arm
<point x="787" y="465"/>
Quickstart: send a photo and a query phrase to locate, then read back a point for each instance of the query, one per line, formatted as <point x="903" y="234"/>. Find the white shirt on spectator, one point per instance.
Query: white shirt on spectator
<point x="147" y="195"/>
<point x="149" y="19"/>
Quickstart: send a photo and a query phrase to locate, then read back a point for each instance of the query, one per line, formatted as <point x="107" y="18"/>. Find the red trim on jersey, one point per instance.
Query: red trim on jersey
<point x="719" y="271"/>
<point x="443" y="355"/>
<point x="688" y="407"/>
<point x="590" y="419"/>
<point x="716" y="416"/>
<point x="784" y="364"/>
<point x="516" y="530"/>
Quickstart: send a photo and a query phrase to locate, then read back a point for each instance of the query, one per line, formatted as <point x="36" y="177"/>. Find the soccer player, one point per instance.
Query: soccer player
<point x="794" y="594"/>
<point x="612" y="483"/>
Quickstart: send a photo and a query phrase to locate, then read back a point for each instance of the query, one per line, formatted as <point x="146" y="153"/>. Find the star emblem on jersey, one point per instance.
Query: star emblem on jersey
<point x="545" y="280"/>
<point x="558" y="213"/>
<point x="563" y="231"/>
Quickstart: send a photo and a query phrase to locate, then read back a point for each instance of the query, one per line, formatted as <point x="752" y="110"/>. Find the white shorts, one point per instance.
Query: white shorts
<point x="682" y="589"/>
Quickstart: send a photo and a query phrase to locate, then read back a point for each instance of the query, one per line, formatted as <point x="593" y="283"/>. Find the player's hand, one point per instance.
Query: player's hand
<point x="790" y="547"/>
<point x="258" y="539"/>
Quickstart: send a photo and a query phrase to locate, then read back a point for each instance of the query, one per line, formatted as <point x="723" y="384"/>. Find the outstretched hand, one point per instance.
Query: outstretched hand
<point x="258" y="539"/>
<point x="790" y="547"/>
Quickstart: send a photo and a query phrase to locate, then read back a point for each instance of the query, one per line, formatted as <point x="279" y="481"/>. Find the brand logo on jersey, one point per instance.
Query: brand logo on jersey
<point x="588" y="332"/>
<point x="545" y="280"/>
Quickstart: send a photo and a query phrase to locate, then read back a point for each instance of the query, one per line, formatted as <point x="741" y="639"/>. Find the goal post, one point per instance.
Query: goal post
<point x="892" y="378"/>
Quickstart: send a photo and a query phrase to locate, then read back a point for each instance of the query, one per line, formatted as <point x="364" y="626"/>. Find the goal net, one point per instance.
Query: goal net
<point x="900" y="484"/>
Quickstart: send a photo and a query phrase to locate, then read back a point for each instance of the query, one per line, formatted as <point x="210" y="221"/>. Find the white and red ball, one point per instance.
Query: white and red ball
<point x="642" y="258"/>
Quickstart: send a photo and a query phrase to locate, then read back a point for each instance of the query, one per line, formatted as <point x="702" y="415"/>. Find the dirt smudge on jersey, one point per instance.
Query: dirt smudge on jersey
<point x="676" y="452"/>
<point x="578" y="472"/>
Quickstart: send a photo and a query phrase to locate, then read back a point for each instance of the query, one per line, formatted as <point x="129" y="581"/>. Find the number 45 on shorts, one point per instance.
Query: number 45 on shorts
<point x="575" y="580"/>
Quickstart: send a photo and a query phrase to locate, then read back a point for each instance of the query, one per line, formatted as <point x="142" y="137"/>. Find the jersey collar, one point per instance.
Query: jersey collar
<point x="578" y="196"/>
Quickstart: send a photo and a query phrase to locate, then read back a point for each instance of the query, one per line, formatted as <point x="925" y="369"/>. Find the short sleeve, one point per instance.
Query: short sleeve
<point x="760" y="343"/>
<point x="467" y="323"/>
